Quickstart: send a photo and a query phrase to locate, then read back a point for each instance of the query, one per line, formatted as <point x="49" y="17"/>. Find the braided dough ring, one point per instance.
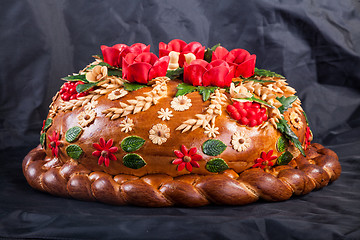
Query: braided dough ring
<point x="299" y="177"/>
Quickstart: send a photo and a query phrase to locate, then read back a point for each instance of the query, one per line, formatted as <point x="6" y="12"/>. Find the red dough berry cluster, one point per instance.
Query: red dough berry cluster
<point x="247" y="113"/>
<point x="68" y="91"/>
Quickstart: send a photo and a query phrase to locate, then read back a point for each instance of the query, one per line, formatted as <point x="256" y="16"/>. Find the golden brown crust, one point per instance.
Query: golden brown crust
<point x="71" y="179"/>
<point x="158" y="157"/>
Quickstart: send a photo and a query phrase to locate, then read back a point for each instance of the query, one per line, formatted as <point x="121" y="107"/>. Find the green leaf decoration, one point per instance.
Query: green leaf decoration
<point x="209" y="51"/>
<point x="73" y="134"/>
<point x="74" y="151"/>
<point x="42" y="139"/>
<point x="254" y="99"/>
<point x="258" y="80"/>
<point x="285" y="158"/>
<point x="75" y="78"/>
<point x="105" y="64"/>
<point x="115" y="72"/>
<point x="47" y="124"/>
<point x="285" y="129"/>
<point x="133" y="160"/>
<point x="132" y="143"/>
<point x="213" y="147"/>
<point x="267" y="73"/>
<point x="286" y="102"/>
<point x="307" y="121"/>
<point x="133" y="86"/>
<point x="172" y="74"/>
<point x="85" y="87"/>
<point x="216" y="165"/>
<point x="282" y="144"/>
<point x="206" y="91"/>
<point x="184" y="88"/>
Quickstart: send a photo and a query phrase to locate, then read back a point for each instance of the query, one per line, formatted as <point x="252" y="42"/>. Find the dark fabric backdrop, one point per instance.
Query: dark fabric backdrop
<point x="315" y="44"/>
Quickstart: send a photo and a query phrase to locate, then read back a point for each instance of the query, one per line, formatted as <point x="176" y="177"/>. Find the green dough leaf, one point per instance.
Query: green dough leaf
<point x="213" y="147"/>
<point x="285" y="158"/>
<point x="47" y="124"/>
<point x="216" y="165"/>
<point x="132" y="143"/>
<point x="286" y="102"/>
<point x="206" y="91"/>
<point x="42" y="139"/>
<point x="267" y="73"/>
<point x="285" y="129"/>
<point x="115" y="72"/>
<point x="254" y="99"/>
<point x="307" y="120"/>
<point x="257" y="80"/>
<point x="133" y="160"/>
<point x="282" y="144"/>
<point x="75" y="78"/>
<point x="85" y="87"/>
<point x="184" y="88"/>
<point x="73" y="134"/>
<point x="209" y="51"/>
<point x="172" y="74"/>
<point x="133" y="86"/>
<point x="74" y="151"/>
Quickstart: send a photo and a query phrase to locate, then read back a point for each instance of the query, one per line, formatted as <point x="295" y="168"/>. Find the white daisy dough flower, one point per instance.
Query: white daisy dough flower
<point x="295" y="120"/>
<point x="240" y="141"/>
<point x="165" y="114"/>
<point x="86" y="117"/>
<point x="159" y="133"/>
<point x="91" y="105"/>
<point x="117" y="93"/>
<point x="211" y="131"/>
<point x="181" y="103"/>
<point x="127" y="125"/>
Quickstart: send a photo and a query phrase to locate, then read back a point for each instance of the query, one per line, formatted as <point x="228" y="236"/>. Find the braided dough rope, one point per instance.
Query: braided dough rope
<point x="71" y="179"/>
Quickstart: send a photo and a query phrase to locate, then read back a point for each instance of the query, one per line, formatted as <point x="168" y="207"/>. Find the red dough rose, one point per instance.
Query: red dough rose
<point x="144" y="67"/>
<point x="241" y="59"/>
<point x="180" y="46"/>
<point x="201" y="73"/>
<point x="114" y="55"/>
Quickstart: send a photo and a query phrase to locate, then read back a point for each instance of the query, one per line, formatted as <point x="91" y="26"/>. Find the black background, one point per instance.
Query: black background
<point x="315" y="44"/>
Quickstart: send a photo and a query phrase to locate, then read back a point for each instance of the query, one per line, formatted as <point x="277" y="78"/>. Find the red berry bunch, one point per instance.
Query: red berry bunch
<point x="247" y="113"/>
<point x="68" y="91"/>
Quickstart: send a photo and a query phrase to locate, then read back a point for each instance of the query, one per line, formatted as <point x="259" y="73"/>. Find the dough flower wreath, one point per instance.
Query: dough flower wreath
<point x="192" y="127"/>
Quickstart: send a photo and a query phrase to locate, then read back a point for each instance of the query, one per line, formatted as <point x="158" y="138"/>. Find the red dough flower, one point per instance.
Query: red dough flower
<point x="241" y="59"/>
<point x="114" y="55"/>
<point x="187" y="158"/>
<point x="104" y="151"/>
<point x="54" y="143"/>
<point x="201" y="73"/>
<point x="144" y="67"/>
<point x="183" y="48"/>
<point x="265" y="160"/>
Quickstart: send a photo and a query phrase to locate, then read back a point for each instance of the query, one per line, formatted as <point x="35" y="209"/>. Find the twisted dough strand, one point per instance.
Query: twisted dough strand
<point x="71" y="179"/>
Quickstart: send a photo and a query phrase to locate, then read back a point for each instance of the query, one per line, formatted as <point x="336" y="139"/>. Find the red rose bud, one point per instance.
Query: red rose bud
<point x="183" y="48"/>
<point x="243" y="62"/>
<point x="201" y="73"/>
<point x="114" y="55"/>
<point x="144" y="67"/>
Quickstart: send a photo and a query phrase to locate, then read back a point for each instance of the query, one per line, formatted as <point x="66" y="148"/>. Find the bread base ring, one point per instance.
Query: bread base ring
<point x="300" y="176"/>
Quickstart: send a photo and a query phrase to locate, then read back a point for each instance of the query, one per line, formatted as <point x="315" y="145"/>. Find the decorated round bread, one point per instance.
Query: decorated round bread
<point x="191" y="127"/>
